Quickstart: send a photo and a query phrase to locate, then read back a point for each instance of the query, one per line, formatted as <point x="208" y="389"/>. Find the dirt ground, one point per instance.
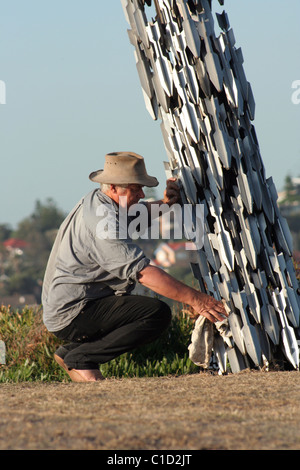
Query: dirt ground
<point x="247" y="411"/>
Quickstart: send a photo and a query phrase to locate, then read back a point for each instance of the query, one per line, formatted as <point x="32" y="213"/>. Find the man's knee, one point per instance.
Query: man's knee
<point x="163" y="311"/>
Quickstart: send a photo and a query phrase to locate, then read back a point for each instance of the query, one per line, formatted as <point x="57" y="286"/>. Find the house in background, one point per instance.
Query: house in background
<point x="10" y="258"/>
<point x="169" y="254"/>
<point x="15" y="245"/>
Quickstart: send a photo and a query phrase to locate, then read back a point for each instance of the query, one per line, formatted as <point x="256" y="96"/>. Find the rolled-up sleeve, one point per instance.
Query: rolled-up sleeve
<point x="121" y="258"/>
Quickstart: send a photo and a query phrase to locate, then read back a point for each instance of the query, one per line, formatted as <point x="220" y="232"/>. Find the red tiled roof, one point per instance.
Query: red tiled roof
<point x="15" y="243"/>
<point x="176" y="245"/>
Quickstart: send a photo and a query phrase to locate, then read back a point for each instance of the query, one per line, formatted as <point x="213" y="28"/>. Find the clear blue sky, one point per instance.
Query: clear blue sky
<point x="73" y="94"/>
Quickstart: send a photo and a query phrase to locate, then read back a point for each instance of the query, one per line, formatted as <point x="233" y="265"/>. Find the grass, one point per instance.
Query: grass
<point x="30" y="348"/>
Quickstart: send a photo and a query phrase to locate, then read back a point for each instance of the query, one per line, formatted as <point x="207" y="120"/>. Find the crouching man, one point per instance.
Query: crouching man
<point x="88" y="280"/>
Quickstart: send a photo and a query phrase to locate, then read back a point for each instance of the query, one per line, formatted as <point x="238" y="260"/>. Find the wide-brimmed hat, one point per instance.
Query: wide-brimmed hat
<point x="123" y="168"/>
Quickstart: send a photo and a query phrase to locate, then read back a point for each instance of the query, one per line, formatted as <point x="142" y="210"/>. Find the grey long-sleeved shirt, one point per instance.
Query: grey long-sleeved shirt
<point x="83" y="266"/>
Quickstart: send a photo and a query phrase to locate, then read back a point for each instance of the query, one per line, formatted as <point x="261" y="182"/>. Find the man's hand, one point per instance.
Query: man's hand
<point x="208" y="307"/>
<point x="171" y="193"/>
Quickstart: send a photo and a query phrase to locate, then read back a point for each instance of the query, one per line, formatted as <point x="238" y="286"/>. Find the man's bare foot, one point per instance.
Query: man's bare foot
<point x="78" y="375"/>
<point x="88" y="375"/>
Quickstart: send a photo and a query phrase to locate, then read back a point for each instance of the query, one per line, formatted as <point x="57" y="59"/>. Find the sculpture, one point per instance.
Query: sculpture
<point x="195" y="84"/>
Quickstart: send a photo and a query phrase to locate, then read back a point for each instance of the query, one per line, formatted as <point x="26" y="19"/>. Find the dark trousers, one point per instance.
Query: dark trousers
<point x="111" y="326"/>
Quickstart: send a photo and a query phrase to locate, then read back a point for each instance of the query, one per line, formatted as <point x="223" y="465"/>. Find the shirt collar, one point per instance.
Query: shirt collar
<point x="106" y="199"/>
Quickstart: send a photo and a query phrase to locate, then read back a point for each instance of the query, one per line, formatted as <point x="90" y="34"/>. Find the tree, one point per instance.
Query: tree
<point x="291" y="193"/>
<point x="5" y="232"/>
<point x="38" y="230"/>
<point x="45" y="217"/>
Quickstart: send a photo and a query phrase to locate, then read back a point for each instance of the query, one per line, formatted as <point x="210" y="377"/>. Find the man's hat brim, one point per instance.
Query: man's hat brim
<point x="145" y="180"/>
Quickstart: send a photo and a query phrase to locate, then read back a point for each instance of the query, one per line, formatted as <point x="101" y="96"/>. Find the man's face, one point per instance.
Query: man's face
<point x="133" y="193"/>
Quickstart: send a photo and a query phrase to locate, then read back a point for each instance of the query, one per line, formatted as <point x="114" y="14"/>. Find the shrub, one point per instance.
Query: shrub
<point x="29" y="347"/>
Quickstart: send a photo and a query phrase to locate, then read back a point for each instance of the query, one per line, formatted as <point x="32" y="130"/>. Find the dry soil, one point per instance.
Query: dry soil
<point x="247" y="411"/>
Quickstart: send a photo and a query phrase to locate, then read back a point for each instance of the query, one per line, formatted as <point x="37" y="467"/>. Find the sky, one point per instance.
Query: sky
<point x="72" y="94"/>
